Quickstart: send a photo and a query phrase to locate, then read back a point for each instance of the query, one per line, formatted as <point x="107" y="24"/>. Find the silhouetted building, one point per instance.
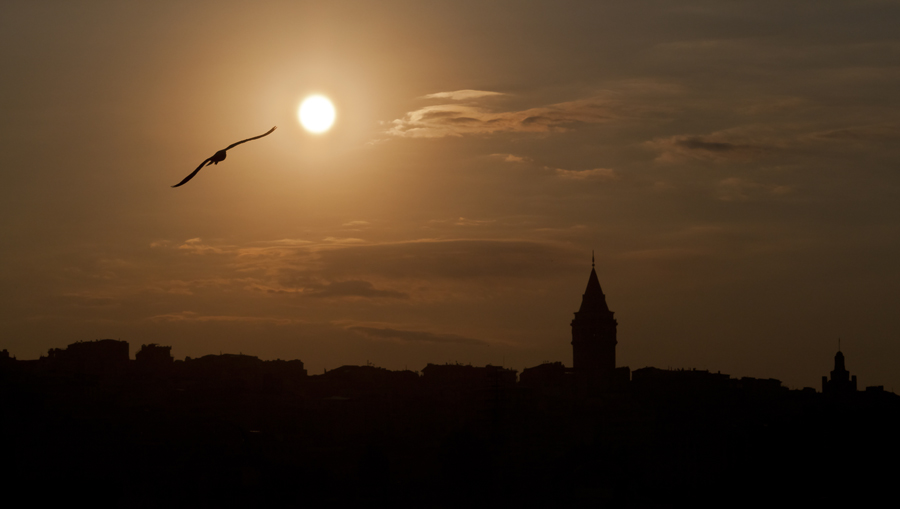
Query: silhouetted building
<point x="760" y="385"/>
<point x="594" y="338"/>
<point x="154" y="356"/>
<point x="841" y="381"/>
<point x="241" y="372"/>
<point x="103" y="356"/>
<point x="352" y="381"/>
<point x="549" y="375"/>
<point x="7" y="362"/>
<point x="679" y="380"/>
<point x="687" y="382"/>
<point x="594" y="330"/>
<point x="289" y="370"/>
<point x="224" y="365"/>
<point x="464" y="377"/>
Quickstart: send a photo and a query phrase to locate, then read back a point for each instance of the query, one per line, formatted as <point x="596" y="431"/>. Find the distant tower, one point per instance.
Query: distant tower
<point x="594" y="332"/>
<point x="840" y="377"/>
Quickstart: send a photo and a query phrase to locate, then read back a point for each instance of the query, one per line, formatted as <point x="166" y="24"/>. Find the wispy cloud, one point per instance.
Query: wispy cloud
<point x="741" y="189"/>
<point x="457" y="119"/>
<point x="715" y="147"/>
<point x="462" y="95"/>
<point x="414" y="336"/>
<point x="407" y="270"/>
<point x="190" y="316"/>
<point x="442" y="263"/>
<point x="197" y="246"/>
<point x="343" y="240"/>
<point x="511" y="158"/>
<point x="664" y="253"/>
<point x="865" y="133"/>
<point x="479" y="112"/>
<point x="84" y="301"/>
<point x="744" y="143"/>
<point x="355" y="288"/>
<point x="472" y="222"/>
<point x="290" y="242"/>
<point x="595" y="174"/>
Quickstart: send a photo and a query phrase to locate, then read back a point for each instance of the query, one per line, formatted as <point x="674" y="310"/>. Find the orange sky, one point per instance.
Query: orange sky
<point x="734" y="165"/>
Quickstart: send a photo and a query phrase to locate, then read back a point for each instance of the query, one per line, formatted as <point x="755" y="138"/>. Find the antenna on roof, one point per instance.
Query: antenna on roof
<point x="592" y="258"/>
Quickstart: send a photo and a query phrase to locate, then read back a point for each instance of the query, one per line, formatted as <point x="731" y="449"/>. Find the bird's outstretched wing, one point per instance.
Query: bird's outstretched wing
<point x="250" y="139"/>
<point x="189" y="177"/>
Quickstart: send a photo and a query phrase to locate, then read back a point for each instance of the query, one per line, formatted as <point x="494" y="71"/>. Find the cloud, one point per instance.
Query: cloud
<point x="432" y="259"/>
<point x="84" y="301"/>
<point x="462" y="95"/>
<point x="343" y="240"/>
<point x="739" y="189"/>
<point x="196" y="246"/>
<point x="476" y="112"/>
<point x="472" y="222"/>
<point x="748" y="142"/>
<point x="511" y="158"/>
<point x="664" y="253"/>
<point x="457" y="120"/>
<point x="697" y="143"/>
<point x="355" y="288"/>
<point x="777" y="105"/>
<point x="355" y="223"/>
<point x="290" y="242"/>
<point x="714" y="147"/>
<point x="867" y="133"/>
<point x="190" y="316"/>
<point x="308" y="283"/>
<point x="397" y="271"/>
<point x="175" y="287"/>
<point x="415" y="336"/>
<point x="595" y="174"/>
<point x="377" y="141"/>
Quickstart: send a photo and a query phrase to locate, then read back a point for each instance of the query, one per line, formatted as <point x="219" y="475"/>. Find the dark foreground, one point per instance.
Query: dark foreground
<point x="204" y="439"/>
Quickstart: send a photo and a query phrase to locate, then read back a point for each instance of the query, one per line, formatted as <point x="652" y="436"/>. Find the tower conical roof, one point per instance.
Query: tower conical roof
<point x="593" y="299"/>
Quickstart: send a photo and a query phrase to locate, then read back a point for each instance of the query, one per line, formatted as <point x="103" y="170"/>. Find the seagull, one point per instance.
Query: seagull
<point x="220" y="156"/>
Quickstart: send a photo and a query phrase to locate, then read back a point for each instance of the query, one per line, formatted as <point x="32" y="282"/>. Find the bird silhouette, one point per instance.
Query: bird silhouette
<point x="220" y="156"/>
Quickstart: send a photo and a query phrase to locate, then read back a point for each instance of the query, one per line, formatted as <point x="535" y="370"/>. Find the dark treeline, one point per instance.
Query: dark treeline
<point x="88" y="423"/>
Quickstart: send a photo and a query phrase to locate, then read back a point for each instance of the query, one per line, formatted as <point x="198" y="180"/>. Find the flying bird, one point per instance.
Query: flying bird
<point x="220" y="156"/>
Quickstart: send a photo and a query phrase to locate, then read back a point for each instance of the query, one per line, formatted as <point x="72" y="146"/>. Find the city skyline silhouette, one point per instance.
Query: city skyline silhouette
<point x="391" y="295"/>
<point x="231" y="429"/>
<point x="593" y="350"/>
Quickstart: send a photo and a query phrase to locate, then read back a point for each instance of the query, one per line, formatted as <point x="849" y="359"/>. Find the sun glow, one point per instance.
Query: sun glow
<point x="316" y="114"/>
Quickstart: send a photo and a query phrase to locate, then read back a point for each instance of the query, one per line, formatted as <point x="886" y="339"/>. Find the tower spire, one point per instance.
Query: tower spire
<point x="594" y="331"/>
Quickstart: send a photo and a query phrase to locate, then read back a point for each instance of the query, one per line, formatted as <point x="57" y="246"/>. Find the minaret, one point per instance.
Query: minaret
<point x="594" y="332"/>
<point x="841" y="381"/>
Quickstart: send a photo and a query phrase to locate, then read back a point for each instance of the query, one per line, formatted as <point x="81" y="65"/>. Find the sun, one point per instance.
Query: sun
<point x="316" y="114"/>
